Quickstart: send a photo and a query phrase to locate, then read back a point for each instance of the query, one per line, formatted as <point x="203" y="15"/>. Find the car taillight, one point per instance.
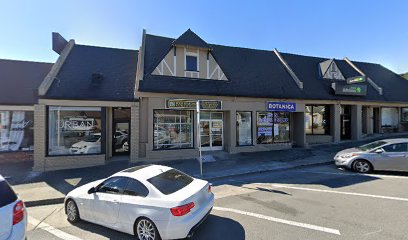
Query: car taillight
<point x="18" y="213"/>
<point x="209" y="188"/>
<point x="182" y="210"/>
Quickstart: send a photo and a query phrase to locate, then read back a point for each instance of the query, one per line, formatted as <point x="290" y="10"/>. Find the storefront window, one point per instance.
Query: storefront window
<point x="16" y="131"/>
<point x="272" y="127"/>
<point x="389" y="117"/>
<point x="173" y="129"/>
<point x="244" y="128"/>
<point x="404" y="114"/>
<point x="317" y="120"/>
<point x="74" y="130"/>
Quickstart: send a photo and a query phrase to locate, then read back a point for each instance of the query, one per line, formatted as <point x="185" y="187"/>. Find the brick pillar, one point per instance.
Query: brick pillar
<point x="356" y="123"/>
<point x="40" y="130"/>
<point x="335" y="111"/>
<point x="299" y="130"/>
<point x="134" y="132"/>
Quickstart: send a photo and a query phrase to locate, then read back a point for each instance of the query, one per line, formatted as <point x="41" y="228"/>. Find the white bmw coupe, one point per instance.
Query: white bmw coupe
<point x="149" y="201"/>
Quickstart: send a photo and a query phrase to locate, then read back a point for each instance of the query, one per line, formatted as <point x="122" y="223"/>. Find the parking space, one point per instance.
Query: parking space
<point x="313" y="202"/>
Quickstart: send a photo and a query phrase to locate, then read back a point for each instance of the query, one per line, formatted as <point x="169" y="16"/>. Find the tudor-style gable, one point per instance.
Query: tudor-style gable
<point x="190" y="57"/>
<point x="330" y="70"/>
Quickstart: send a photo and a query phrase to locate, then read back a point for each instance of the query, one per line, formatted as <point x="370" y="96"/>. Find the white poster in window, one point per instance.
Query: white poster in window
<point x="276" y="130"/>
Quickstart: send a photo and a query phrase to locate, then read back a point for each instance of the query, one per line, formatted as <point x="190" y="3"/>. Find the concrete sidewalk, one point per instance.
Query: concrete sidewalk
<point x="51" y="187"/>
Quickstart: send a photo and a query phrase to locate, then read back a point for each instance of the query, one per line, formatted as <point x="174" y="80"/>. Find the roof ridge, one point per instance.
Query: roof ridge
<point x="113" y="48"/>
<point x="25" y="61"/>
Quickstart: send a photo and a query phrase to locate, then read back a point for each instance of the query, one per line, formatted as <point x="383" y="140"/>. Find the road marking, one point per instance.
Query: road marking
<point x="340" y="192"/>
<point x="278" y="220"/>
<point x="56" y="232"/>
<point x="357" y="174"/>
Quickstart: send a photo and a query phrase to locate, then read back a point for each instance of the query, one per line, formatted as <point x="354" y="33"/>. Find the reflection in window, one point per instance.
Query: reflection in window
<point x="244" y="128"/>
<point x="273" y="127"/>
<point x="404" y="114"/>
<point x="16" y="131"/>
<point x="173" y="129"/>
<point x="74" y="130"/>
<point x="317" y="119"/>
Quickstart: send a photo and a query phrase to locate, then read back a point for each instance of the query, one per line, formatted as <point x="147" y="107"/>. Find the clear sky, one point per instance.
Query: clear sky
<point x="366" y="30"/>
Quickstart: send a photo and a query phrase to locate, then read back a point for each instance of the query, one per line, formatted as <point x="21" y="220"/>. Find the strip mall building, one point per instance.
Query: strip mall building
<point x="99" y="104"/>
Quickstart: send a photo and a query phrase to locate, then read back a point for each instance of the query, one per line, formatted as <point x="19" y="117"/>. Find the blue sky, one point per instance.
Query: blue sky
<point x="373" y="31"/>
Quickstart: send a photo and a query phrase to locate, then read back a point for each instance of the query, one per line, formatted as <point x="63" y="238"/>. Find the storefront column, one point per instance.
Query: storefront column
<point x="369" y="120"/>
<point x="299" y="133"/>
<point x="134" y="132"/>
<point x="335" y="122"/>
<point x="39" y="137"/>
<point x="356" y="123"/>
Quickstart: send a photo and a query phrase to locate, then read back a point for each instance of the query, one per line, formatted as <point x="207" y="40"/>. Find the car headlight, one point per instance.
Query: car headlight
<point x="349" y="155"/>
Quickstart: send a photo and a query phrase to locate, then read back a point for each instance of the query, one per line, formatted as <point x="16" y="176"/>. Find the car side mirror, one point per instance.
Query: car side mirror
<point x="380" y="150"/>
<point x="92" y="190"/>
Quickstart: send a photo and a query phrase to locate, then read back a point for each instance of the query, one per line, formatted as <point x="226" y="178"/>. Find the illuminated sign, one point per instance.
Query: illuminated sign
<point x="350" y="90"/>
<point x="281" y="106"/>
<point x="353" y="80"/>
<point x="189" y="104"/>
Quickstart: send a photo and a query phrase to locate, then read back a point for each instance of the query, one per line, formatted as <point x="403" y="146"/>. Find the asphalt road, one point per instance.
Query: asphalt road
<point x="306" y="203"/>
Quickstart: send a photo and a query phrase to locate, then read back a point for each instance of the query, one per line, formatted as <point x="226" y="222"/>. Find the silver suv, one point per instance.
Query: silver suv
<point x="13" y="215"/>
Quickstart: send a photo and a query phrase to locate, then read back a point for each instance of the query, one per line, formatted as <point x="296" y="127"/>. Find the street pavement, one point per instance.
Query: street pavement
<point x="315" y="202"/>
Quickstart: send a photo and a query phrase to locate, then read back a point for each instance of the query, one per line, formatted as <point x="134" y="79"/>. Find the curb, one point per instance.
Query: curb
<point x="53" y="201"/>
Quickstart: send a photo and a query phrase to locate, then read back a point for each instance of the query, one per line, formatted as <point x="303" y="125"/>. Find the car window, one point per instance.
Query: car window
<point x="7" y="194"/>
<point x="399" y="147"/>
<point x="370" y="146"/>
<point x="113" y="185"/>
<point x="136" y="188"/>
<point x="170" y="181"/>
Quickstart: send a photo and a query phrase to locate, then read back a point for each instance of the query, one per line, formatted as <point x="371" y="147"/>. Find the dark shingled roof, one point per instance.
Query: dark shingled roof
<point x="259" y="73"/>
<point x="74" y="80"/>
<point x="189" y="38"/>
<point x="20" y="81"/>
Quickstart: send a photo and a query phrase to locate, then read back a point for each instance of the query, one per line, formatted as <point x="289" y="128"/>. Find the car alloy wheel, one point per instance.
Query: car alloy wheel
<point x="72" y="211"/>
<point x="146" y="230"/>
<point x="362" y="166"/>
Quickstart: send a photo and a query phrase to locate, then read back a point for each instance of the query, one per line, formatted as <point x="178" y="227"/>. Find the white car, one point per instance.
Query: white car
<point x="91" y="144"/>
<point x="13" y="215"/>
<point x="149" y="201"/>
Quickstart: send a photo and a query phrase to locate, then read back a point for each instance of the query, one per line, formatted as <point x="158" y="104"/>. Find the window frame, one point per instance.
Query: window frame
<point x="10" y="112"/>
<point x="120" y="192"/>
<point x="327" y="107"/>
<point x="192" y="130"/>
<point x="236" y="129"/>
<point x="191" y="54"/>
<point x="273" y="127"/>
<point x="47" y="132"/>
<point x="402" y="115"/>
<point x="389" y="145"/>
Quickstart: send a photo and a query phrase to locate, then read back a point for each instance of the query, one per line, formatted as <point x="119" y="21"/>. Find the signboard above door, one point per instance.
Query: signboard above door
<point x="281" y="106"/>
<point x="349" y="90"/>
<point x="358" y="79"/>
<point x="189" y="104"/>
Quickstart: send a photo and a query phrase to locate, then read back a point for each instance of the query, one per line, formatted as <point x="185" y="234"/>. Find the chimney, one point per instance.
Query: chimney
<point x="58" y="42"/>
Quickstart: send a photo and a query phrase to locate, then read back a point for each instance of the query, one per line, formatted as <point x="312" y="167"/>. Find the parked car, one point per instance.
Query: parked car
<point x="149" y="201"/>
<point x="90" y="144"/>
<point x="13" y="215"/>
<point x="389" y="154"/>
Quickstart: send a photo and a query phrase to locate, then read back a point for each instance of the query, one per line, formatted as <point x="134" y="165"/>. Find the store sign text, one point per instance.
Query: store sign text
<point x="192" y="104"/>
<point x="76" y="124"/>
<point x="281" y="107"/>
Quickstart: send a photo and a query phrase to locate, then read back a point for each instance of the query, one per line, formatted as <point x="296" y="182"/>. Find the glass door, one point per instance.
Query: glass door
<point x="211" y="131"/>
<point x="121" y="131"/>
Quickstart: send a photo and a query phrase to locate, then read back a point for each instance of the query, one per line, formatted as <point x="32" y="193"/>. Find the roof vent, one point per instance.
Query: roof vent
<point x="97" y="78"/>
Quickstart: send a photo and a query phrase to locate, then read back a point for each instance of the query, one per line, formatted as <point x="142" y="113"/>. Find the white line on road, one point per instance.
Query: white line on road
<point x="356" y="174"/>
<point x="340" y="192"/>
<point x="278" y="220"/>
<point x="56" y="232"/>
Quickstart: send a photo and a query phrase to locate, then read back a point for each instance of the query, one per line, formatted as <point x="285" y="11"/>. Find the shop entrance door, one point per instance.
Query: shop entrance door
<point x="121" y="131"/>
<point x="345" y="126"/>
<point x="376" y="120"/>
<point x="211" y="131"/>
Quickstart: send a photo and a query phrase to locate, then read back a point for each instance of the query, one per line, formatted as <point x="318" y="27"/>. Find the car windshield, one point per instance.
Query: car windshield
<point x="371" y="146"/>
<point x="7" y="194"/>
<point x="170" y="181"/>
<point x="92" y="138"/>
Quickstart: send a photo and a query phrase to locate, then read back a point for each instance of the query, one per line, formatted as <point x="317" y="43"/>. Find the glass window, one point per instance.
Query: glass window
<point x="272" y="127"/>
<point x="389" y="117"/>
<point x="7" y="194"/>
<point x="113" y="185"/>
<point x="244" y="128"/>
<point x="74" y="130"/>
<point x="16" y="131"/>
<point x="170" y="181"/>
<point x="136" y="188"/>
<point x="399" y="147"/>
<point x="191" y="63"/>
<point x="173" y="129"/>
<point x="317" y="120"/>
<point x="404" y="114"/>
